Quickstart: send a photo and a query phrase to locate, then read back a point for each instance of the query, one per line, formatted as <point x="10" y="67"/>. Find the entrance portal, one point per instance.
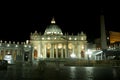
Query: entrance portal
<point x="26" y="56"/>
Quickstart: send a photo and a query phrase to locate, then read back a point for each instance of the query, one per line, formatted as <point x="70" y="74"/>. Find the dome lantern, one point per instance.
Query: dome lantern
<point x="53" y="29"/>
<point x="53" y="21"/>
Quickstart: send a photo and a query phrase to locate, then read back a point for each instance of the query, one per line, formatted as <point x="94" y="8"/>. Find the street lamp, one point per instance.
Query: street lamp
<point x="89" y="52"/>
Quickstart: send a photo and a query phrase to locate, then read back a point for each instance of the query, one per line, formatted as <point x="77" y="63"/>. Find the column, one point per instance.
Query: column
<point x="79" y="53"/>
<point x="33" y="54"/>
<point x="20" y="53"/>
<point x="119" y="45"/>
<point x="41" y="49"/>
<point x="101" y="56"/>
<point x="13" y="54"/>
<point x="51" y="51"/>
<point x="56" y="50"/>
<point x="65" y="52"/>
<point x="62" y="52"/>
<point x="95" y="57"/>
<point x="0" y="55"/>
<point x="38" y="50"/>
<point x="4" y="51"/>
<point x="45" y="51"/>
<point x="23" y="55"/>
<point x="73" y="49"/>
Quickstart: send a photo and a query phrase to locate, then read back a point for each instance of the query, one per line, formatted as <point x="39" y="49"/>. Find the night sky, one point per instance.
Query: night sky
<point x="17" y="22"/>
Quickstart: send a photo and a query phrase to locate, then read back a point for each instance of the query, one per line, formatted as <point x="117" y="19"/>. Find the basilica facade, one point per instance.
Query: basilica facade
<point x="54" y="44"/>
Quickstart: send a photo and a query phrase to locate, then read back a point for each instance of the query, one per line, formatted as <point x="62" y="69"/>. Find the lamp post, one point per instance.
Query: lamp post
<point x="88" y="55"/>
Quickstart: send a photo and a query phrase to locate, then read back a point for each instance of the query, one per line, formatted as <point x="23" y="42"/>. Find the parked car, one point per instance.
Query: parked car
<point x="3" y="64"/>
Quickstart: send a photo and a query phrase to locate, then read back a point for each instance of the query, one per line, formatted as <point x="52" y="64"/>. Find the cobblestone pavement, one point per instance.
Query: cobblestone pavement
<point x="33" y="72"/>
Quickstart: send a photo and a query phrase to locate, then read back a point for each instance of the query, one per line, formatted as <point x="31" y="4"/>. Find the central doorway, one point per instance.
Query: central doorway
<point x="26" y="56"/>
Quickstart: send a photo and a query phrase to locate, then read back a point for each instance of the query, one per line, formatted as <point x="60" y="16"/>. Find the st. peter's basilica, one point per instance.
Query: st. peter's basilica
<point x="53" y="44"/>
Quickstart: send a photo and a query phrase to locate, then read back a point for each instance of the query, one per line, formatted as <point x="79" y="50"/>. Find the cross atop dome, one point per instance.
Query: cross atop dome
<point x="53" y="21"/>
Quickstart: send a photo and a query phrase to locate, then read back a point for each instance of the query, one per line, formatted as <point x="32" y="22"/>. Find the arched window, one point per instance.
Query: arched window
<point x="35" y="54"/>
<point x="82" y="54"/>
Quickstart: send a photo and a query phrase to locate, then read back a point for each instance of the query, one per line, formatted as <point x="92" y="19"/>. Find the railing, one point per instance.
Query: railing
<point x="93" y="63"/>
<point x="69" y="62"/>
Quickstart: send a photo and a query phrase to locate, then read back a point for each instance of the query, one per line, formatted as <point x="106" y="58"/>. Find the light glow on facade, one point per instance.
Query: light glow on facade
<point x="73" y="55"/>
<point x="8" y="45"/>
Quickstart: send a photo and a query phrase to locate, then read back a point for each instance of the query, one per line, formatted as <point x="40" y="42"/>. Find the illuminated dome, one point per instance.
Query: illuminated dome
<point x="53" y="29"/>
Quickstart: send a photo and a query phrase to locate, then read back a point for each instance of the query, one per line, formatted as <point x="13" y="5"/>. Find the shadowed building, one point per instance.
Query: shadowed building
<point x="114" y="37"/>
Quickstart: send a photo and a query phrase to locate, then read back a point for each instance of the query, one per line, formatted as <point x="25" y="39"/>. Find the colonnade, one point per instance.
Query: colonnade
<point x="5" y="51"/>
<point x="60" y="50"/>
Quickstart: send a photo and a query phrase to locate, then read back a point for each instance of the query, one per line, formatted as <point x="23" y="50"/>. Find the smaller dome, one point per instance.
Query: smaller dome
<point x="82" y="33"/>
<point x="35" y="34"/>
<point x="53" y="29"/>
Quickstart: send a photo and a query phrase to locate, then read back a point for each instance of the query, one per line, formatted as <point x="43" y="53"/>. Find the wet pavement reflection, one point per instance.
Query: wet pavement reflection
<point x="33" y="72"/>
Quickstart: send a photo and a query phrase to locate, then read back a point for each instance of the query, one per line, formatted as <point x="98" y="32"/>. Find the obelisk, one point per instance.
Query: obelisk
<point x="103" y="33"/>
